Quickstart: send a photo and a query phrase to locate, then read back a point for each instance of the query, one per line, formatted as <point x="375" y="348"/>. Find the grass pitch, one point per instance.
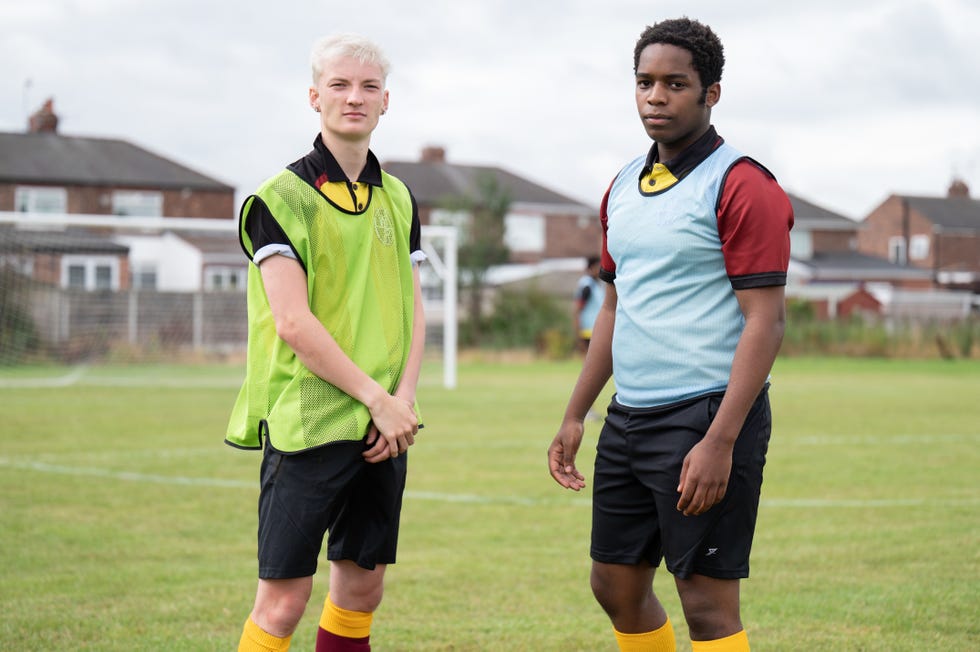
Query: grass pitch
<point x="125" y="523"/>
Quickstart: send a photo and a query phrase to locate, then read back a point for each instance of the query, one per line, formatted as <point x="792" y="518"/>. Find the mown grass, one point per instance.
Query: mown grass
<point x="125" y="523"/>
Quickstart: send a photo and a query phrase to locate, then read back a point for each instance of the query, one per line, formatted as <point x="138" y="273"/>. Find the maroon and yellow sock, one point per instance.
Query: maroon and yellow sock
<point x="737" y="642"/>
<point x="342" y="630"/>
<point x="256" y="639"/>
<point x="659" y="640"/>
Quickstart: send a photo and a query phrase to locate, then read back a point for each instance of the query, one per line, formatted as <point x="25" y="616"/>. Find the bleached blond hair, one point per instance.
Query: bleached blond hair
<point x="355" y="46"/>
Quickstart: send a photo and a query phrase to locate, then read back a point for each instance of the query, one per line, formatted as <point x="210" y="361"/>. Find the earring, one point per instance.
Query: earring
<point x="316" y="108"/>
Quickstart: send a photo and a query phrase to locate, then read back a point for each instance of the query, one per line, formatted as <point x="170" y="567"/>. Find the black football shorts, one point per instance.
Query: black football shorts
<point x="304" y="495"/>
<point x="634" y="503"/>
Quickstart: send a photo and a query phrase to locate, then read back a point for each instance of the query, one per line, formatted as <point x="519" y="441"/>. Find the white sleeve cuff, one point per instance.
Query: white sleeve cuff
<point x="273" y="250"/>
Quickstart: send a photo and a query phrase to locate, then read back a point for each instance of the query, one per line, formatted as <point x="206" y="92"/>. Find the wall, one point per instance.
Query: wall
<point x="97" y="200"/>
<point x="957" y="251"/>
<point x="573" y="236"/>
<point x="566" y="236"/>
<point x="178" y="265"/>
<point x="827" y="241"/>
<point x="887" y="221"/>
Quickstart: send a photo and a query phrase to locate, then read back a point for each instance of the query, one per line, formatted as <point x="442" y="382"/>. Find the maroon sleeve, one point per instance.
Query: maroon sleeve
<point x="754" y="220"/>
<point x="607" y="266"/>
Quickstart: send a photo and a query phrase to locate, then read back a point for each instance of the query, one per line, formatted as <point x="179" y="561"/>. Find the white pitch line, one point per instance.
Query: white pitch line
<point x="875" y="440"/>
<point x="472" y="499"/>
<point x="44" y="467"/>
<point x="71" y="378"/>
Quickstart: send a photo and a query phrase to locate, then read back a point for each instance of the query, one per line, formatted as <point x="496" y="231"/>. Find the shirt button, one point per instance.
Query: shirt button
<point x="354" y="186"/>
<point x="360" y="207"/>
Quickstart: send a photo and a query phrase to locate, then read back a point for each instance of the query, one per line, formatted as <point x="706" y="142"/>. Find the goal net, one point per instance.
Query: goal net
<point x="97" y="288"/>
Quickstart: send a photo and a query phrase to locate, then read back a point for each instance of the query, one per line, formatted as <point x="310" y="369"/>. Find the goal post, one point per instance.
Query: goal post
<point x="78" y="288"/>
<point x="440" y="244"/>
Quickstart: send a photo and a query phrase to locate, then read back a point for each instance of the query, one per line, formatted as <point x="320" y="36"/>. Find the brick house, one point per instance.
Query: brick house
<point x="828" y="271"/>
<point x="542" y="224"/>
<point x="43" y="172"/>
<point x="937" y="235"/>
<point x="824" y="247"/>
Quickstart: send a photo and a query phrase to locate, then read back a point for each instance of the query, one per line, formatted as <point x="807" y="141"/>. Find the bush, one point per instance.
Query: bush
<point x="525" y="319"/>
<point x="881" y="338"/>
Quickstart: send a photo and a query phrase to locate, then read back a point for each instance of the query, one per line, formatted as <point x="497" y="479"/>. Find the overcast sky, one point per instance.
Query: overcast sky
<point x="845" y="101"/>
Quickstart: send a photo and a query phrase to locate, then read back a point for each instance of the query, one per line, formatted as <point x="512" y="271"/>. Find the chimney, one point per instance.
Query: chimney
<point x="44" y="120"/>
<point x="433" y="154"/>
<point x="958" y="188"/>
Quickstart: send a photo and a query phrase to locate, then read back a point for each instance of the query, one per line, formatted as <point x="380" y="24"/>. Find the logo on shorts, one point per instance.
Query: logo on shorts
<point x="383" y="227"/>
<point x="711" y="552"/>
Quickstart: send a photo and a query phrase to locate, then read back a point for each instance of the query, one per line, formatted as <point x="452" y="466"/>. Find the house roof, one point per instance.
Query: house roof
<point x="948" y="212"/>
<point x="853" y="266"/>
<point x="69" y="241"/>
<point x="808" y="215"/>
<point x="432" y="182"/>
<point x="49" y="158"/>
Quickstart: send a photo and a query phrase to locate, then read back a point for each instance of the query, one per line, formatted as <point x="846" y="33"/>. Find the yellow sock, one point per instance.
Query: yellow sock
<point x="659" y="640"/>
<point x="349" y="624"/>
<point x="737" y="642"/>
<point x="256" y="639"/>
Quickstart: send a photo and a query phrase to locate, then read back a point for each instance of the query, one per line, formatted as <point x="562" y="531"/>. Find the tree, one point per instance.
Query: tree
<point x="482" y="244"/>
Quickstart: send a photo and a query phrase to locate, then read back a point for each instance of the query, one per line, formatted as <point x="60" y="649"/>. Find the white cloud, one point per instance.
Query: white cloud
<point x="846" y="102"/>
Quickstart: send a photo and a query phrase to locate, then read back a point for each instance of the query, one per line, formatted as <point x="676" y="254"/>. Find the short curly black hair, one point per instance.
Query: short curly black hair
<point x="698" y="39"/>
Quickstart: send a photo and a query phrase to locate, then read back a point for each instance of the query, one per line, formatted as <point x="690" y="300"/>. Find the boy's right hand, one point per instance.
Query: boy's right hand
<point x="394" y="425"/>
<point x="562" y="452"/>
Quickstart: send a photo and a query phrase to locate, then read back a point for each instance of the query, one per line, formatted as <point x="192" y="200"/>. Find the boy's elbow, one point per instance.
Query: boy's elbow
<point x="288" y="327"/>
<point x="777" y="328"/>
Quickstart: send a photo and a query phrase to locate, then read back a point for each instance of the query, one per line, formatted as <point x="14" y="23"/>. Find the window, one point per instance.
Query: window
<point x="460" y="219"/>
<point x="801" y="244"/>
<point x="896" y="250"/>
<point x="40" y="199"/>
<point x="144" y="277"/>
<point x="919" y="247"/>
<point x="524" y="233"/>
<point x="21" y="264"/>
<point x="90" y="273"/>
<point x="76" y="277"/>
<point x="225" y="279"/>
<point x="138" y="203"/>
<point x="103" y="277"/>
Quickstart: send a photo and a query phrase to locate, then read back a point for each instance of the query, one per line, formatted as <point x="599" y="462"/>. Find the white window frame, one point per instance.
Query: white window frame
<point x="90" y="264"/>
<point x="801" y="244"/>
<point x="226" y="273"/>
<point x="897" y="252"/>
<point x="23" y="265"/>
<point x="525" y="232"/>
<point x="460" y="220"/>
<point x="40" y="199"/>
<point x="919" y="246"/>
<point x="137" y="203"/>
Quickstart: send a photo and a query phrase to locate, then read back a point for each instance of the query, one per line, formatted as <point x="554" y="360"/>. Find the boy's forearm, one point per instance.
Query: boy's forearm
<point x="751" y="366"/>
<point x="410" y="376"/>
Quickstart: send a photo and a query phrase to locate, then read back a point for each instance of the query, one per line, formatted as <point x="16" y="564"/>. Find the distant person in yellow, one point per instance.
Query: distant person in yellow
<point x="589" y="295"/>
<point x="335" y="344"/>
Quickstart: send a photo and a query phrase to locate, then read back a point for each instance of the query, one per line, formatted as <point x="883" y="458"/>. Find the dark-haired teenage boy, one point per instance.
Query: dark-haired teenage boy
<point x="695" y="252"/>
